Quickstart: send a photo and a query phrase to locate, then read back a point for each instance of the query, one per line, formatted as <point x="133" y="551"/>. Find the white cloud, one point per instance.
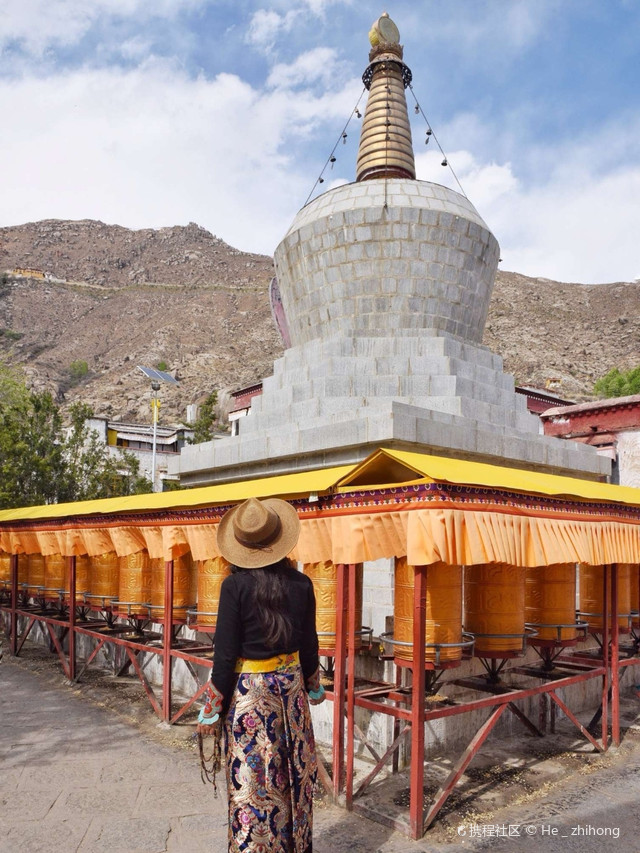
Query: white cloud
<point x="575" y="225"/>
<point x="151" y="147"/>
<point x="37" y="25"/>
<point x="318" y="65"/>
<point x="266" y="26"/>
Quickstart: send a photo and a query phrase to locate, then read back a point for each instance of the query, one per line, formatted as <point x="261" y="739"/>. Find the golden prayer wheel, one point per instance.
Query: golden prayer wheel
<point x="325" y="584"/>
<point x="134" y="585"/>
<point x="35" y="574"/>
<point x="494" y="609"/>
<point x="83" y="570"/>
<point x="184" y="587"/>
<point x="54" y="567"/>
<point x="5" y="568"/>
<point x="210" y="574"/>
<point x="592" y="595"/>
<point x="443" y="613"/>
<point x="550" y="602"/>
<point x="104" y="580"/>
<point x="634" y="594"/>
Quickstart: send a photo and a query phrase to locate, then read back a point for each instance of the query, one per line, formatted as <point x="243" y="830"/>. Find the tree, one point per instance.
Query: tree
<point x="203" y="427"/>
<point x="30" y="456"/>
<point x="617" y="384"/>
<point x="41" y="462"/>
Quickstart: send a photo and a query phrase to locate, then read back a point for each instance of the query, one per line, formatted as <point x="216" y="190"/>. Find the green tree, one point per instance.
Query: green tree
<point x="30" y="452"/>
<point x="42" y="462"/>
<point x="203" y="427"/>
<point x="617" y="384"/>
<point x="78" y="369"/>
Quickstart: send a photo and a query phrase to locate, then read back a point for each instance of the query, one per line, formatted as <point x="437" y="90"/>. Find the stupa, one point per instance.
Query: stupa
<point x="385" y="286"/>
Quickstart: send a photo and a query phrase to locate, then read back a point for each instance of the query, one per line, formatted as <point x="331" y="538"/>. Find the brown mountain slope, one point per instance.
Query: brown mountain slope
<point x="116" y="298"/>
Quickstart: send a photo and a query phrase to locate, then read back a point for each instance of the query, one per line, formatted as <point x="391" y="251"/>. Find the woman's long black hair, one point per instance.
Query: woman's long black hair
<point x="270" y="602"/>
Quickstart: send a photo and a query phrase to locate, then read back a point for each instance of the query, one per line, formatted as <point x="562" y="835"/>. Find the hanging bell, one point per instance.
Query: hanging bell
<point x="444" y="162"/>
<point x="416" y="109"/>
<point x="429" y="132"/>
<point x="321" y="180"/>
<point x="344" y="138"/>
<point x="358" y="114"/>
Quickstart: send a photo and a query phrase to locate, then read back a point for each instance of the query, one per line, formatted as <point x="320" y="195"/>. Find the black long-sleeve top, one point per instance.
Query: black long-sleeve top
<point x="238" y="633"/>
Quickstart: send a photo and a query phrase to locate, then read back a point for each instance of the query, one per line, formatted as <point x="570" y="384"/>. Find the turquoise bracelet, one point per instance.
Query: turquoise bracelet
<point x="206" y="720"/>
<point x="317" y="694"/>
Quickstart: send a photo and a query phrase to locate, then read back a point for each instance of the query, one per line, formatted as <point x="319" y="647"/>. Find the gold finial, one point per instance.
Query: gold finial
<point x="385" y="149"/>
<point x="383" y="31"/>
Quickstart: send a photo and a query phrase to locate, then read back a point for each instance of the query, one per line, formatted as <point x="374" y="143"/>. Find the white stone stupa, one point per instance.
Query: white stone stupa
<point x="385" y="286"/>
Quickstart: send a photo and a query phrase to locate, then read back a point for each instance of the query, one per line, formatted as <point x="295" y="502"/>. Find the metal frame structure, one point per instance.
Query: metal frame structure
<point x="406" y="706"/>
<point x="404" y="700"/>
<point x="410" y="713"/>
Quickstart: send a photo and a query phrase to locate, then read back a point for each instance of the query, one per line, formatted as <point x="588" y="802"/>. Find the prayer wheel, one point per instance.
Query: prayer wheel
<point x="54" y="568"/>
<point x="443" y="613"/>
<point x="592" y="595"/>
<point x="5" y="569"/>
<point x="550" y="602"/>
<point x="83" y="569"/>
<point x="184" y="587"/>
<point x="494" y="608"/>
<point x="134" y="585"/>
<point x="325" y="584"/>
<point x="35" y="574"/>
<point x="104" y="580"/>
<point x="210" y="574"/>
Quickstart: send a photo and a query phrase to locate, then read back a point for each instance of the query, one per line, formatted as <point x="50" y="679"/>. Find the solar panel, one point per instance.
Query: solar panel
<point x="157" y="375"/>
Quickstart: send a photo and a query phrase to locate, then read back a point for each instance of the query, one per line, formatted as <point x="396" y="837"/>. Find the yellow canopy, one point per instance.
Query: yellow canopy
<point x="284" y="486"/>
<point x="388" y="468"/>
<point x="345" y="529"/>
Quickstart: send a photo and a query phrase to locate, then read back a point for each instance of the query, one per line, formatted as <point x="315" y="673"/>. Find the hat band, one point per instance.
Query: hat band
<point x="262" y="543"/>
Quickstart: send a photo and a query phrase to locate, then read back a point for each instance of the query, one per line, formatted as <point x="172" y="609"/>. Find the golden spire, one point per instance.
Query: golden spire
<point x="386" y="150"/>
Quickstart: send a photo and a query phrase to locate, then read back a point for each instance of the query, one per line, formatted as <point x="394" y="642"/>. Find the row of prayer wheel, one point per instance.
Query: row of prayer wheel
<point x="498" y="601"/>
<point x="131" y="586"/>
<point x="502" y="603"/>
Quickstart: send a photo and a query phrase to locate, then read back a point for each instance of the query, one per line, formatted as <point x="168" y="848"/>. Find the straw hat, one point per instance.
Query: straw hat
<point x="257" y="533"/>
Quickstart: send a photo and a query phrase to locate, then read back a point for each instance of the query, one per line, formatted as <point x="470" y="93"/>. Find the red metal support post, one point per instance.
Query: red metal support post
<point x="351" y="682"/>
<point x="615" y="658"/>
<point x="606" y="633"/>
<point x="72" y="618"/>
<point x="166" y="641"/>
<point x="416" y="796"/>
<point x="14" y="604"/>
<point x="338" y="680"/>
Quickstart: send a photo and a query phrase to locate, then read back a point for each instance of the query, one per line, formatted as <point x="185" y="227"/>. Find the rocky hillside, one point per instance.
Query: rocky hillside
<point x="115" y="298"/>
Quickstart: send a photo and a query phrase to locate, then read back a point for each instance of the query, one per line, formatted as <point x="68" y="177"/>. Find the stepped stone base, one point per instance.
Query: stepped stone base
<point x="332" y="402"/>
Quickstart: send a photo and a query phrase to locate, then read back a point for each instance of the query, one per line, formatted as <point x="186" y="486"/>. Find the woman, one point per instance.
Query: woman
<point x="265" y="672"/>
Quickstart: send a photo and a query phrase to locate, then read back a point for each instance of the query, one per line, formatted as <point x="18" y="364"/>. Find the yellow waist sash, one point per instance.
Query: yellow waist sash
<point x="279" y="662"/>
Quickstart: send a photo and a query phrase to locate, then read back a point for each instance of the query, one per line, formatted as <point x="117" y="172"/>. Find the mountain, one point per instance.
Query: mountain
<point x="181" y="297"/>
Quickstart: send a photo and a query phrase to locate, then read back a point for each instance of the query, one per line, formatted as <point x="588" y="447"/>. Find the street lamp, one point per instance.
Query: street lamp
<point x="156" y="377"/>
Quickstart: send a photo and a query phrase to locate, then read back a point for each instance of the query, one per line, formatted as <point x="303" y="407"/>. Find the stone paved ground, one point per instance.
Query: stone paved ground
<point x="80" y="775"/>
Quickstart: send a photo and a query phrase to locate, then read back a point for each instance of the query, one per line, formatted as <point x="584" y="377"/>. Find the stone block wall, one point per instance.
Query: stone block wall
<point x="383" y="256"/>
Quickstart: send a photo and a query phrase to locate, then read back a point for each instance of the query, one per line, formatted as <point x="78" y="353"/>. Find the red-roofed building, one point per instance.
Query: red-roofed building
<point x="612" y="426"/>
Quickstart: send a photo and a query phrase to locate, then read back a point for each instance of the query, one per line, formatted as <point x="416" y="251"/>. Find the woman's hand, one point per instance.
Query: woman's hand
<point x="206" y="730"/>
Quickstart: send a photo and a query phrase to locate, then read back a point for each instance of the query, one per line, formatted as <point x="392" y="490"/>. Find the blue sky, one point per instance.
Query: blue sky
<point x="223" y="112"/>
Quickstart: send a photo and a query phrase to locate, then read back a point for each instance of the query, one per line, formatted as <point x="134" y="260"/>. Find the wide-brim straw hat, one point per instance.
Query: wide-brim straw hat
<point x="257" y="533"/>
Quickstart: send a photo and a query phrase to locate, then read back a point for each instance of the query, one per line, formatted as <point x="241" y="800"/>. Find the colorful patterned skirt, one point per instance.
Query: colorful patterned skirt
<point x="271" y="763"/>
